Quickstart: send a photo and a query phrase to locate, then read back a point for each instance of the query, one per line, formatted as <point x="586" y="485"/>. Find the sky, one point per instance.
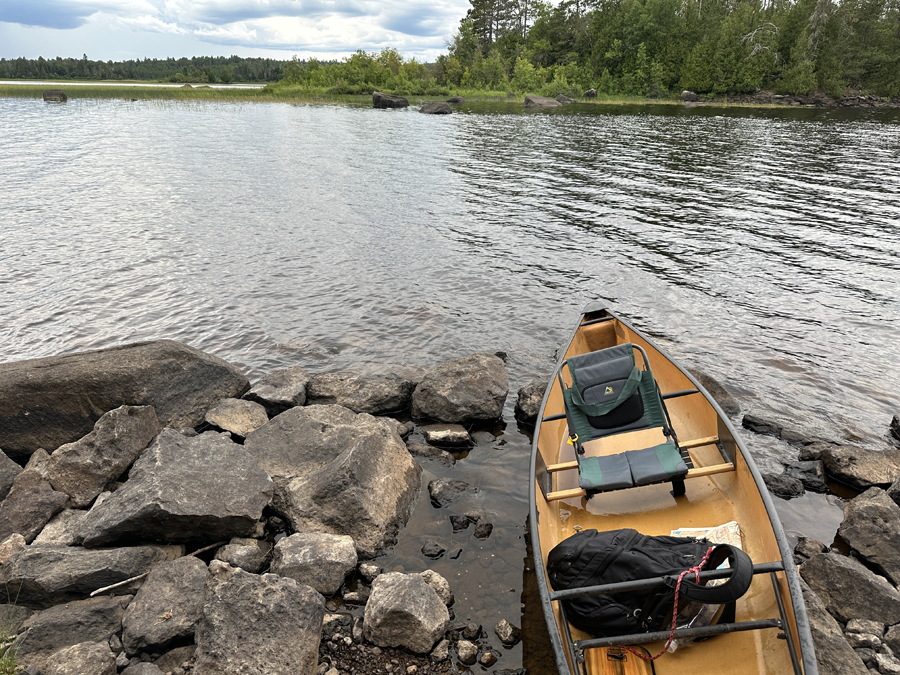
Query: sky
<point x="117" y="30"/>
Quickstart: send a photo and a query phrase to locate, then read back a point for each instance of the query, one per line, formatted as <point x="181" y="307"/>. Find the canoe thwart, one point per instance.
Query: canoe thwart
<point x="653" y="582"/>
<point x="696" y="443"/>
<point x="680" y="633"/>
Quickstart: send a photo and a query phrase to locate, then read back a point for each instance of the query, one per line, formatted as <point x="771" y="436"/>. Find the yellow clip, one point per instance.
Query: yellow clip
<point x="573" y="439"/>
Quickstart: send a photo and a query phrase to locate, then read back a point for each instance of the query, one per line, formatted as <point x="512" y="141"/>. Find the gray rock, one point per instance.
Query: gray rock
<point x="782" y="485"/>
<point x="29" y="506"/>
<point x="166" y="608"/>
<point x="483" y="529"/>
<point x="248" y="554"/>
<point x="467" y="652"/>
<point x="13" y="616"/>
<point x="834" y="654"/>
<point x="887" y="665"/>
<point x="418" y="449"/>
<point x="761" y="426"/>
<point x="373" y="394"/>
<point x="43" y="576"/>
<point x="316" y="559"/>
<point x="456" y="99"/>
<point x="536" y="103"/>
<point x="444" y="491"/>
<point x="175" y="658"/>
<point x="528" y="402"/>
<point x="433" y="549"/>
<point x="355" y="598"/>
<point x="94" y="620"/>
<point x="508" y="634"/>
<point x="8" y="472"/>
<point x="471" y="631"/>
<point x="448" y="435"/>
<point x="720" y="394"/>
<point x="459" y="523"/>
<point x="440" y="585"/>
<point x="892" y="638"/>
<point x="441" y="652"/>
<point x="809" y="547"/>
<point x="590" y="93"/>
<point x="83" y="469"/>
<point x="895" y="427"/>
<point x="340" y="473"/>
<point x="369" y="571"/>
<point x="237" y="416"/>
<point x="55" y="96"/>
<point x="467" y="390"/>
<point x="863" y="640"/>
<point x="380" y="100"/>
<point x="811" y="474"/>
<point x="257" y="624"/>
<point x="62" y="529"/>
<point x="857" y="467"/>
<point x="39" y="462"/>
<point x="488" y="658"/>
<point x="45" y="403"/>
<point x="875" y="628"/>
<point x="183" y="489"/>
<point x="280" y="390"/>
<point x="871" y="526"/>
<point x="404" y="611"/>
<point x="565" y="99"/>
<point x="143" y="669"/>
<point x="86" y="657"/>
<point x="436" y="108"/>
<point x="10" y="546"/>
<point x="849" y="590"/>
<point x="689" y="96"/>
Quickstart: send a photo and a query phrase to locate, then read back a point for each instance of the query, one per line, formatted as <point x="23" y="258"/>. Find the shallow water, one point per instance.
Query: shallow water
<point x="762" y="247"/>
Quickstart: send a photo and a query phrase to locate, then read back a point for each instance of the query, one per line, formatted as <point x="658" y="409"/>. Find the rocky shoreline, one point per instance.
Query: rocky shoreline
<point x="160" y="515"/>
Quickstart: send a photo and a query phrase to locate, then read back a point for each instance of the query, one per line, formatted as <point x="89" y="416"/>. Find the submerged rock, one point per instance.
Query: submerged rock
<point x="45" y="403"/>
<point x="444" y="491"/>
<point x="465" y="390"/>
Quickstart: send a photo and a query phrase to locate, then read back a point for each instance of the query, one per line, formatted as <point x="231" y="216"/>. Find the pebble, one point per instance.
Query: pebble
<point x="488" y="659"/>
<point x="467" y="652"/>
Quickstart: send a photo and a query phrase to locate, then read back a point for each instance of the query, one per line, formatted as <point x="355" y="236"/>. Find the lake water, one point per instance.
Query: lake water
<point x="762" y="247"/>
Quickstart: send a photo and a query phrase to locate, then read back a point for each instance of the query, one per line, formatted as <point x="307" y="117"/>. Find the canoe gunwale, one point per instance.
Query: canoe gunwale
<point x="801" y="620"/>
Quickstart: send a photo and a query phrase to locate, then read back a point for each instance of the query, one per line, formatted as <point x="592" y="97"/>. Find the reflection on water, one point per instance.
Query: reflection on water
<point x="761" y="247"/>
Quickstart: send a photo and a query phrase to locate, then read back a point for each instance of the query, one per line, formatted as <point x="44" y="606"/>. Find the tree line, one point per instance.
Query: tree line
<point x="200" y="69"/>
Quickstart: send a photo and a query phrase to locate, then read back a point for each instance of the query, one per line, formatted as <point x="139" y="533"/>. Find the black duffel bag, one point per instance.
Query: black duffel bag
<point x="592" y="558"/>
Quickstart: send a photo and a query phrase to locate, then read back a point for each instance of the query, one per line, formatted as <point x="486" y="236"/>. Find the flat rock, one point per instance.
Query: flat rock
<point x="436" y="108"/>
<point x="849" y="590"/>
<point x="447" y="436"/>
<point x="95" y="620"/>
<point x="45" y="403"/>
<point x="8" y="472"/>
<point x="419" y="449"/>
<point x="562" y="98"/>
<point x="339" y="472"/>
<point x="248" y="554"/>
<point x="871" y="527"/>
<point x="444" y="491"/>
<point x="782" y="485"/>
<point x="280" y="390"/>
<point x="404" y="611"/>
<point x="833" y="652"/>
<point x="373" y="394"/>
<point x="809" y="547"/>
<point x="859" y="468"/>
<point x="380" y="100"/>
<point x="29" y="506"/>
<point x="539" y="102"/>
<point x="183" y="489"/>
<point x="83" y="469"/>
<point x="433" y="549"/>
<point x="257" y="624"/>
<point x="528" y="402"/>
<point x="86" y="657"/>
<point x="237" y="416"/>
<point x="759" y="425"/>
<point x="316" y="559"/>
<point x="166" y="608"/>
<point x="467" y="390"/>
<point x="43" y="576"/>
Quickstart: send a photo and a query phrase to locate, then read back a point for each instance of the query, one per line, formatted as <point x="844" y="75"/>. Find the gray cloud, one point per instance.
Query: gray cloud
<point x="46" y="13"/>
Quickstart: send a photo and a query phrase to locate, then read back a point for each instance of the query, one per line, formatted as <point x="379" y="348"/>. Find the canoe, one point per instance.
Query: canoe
<point x="770" y="631"/>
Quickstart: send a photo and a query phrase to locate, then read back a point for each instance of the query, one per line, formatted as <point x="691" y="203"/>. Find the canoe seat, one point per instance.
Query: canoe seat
<point x="610" y="395"/>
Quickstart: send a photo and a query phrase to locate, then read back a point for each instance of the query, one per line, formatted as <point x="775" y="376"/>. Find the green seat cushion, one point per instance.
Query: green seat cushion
<point x="653" y="465"/>
<point x="604" y="473"/>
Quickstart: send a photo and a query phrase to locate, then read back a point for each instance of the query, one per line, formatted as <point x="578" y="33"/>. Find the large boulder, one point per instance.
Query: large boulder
<point x="833" y="652"/>
<point x="465" y="390"/>
<point x="849" y="590"/>
<point x="8" y="472"/>
<point x="436" y="108"/>
<point x="380" y="100"/>
<point x="86" y="657"/>
<point x="45" y="403"/>
<point x="540" y="102"/>
<point x="280" y="390"/>
<point x="72" y="623"/>
<point x="258" y="625"/>
<point x="316" y="559"/>
<point x="182" y="489"/>
<point x="859" y="468"/>
<point x="404" y="611"/>
<point x="338" y="472"/>
<point x="373" y="394"/>
<point x="871" y="526"/>
<point x="84" y="468"/>
<point x="528" y="402"/>
<point x="166" y="608"/>
<point x="237" y="416"/>
<point x="29" y="506"/>
<point x="43" y="576"/>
